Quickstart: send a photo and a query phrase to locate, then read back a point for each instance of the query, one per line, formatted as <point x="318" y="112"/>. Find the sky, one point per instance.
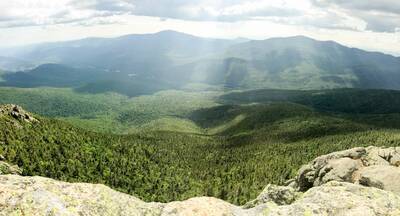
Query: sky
<point x="368" y="24"/>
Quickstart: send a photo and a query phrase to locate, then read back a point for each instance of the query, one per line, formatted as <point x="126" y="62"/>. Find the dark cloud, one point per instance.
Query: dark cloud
<point x="197" y="10"/>
<point x="374" y="15"/>
<point x="380" y="15"/>
<point x="257" y="14"/>
<point x="322" y="20"/>
<point x="381" y="22"/>
<point x="387" y="6"/>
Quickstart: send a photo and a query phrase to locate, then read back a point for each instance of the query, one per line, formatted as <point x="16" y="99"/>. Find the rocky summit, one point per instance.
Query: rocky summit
<point x="359" y="181"/>
<point x="17" y="113"/>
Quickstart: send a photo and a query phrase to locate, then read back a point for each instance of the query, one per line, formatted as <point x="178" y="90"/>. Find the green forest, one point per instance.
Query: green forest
<point x="173" y="145"/>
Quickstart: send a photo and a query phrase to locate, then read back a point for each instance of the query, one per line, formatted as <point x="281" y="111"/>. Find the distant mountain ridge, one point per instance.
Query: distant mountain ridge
<point x="123" y="52"/>
<point x="303" y="63"/>
<point x="175" y="59"/>
<point x="54" y="75"/>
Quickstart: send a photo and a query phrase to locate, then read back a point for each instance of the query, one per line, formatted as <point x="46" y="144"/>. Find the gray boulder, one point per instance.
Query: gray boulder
<point x="338" y="170"/>
<point x="382" y="177"/>
<point x="281" y="195"/>
<point x="337" y="166"/>
<point x="382" y="156"/>
<point x="17" y="113"/>
<point x="358" y="165"/>
<point x="341" y="199"/>
<point x="6" y="168"/>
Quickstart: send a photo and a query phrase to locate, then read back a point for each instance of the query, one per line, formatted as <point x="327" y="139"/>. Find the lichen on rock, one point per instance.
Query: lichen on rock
<point x="342" y="198"/>
<point x="280" y="195"/>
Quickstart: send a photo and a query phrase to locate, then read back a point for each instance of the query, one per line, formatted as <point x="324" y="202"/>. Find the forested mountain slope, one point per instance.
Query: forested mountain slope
<point x="137" y="64"/>
<point x="251" y="147"/>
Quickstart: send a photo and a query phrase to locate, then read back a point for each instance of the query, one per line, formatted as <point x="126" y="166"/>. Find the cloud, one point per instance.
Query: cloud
<point x="356" y="15"/>
<point x="21" y="13"/>
<point x="328" y="19"/>
<point x="379" y="15"/>
<point x="386" y="6"/>
<point x="116" y="6"/>
<point x="197" y="10"/>
<point x="380" y="22"/>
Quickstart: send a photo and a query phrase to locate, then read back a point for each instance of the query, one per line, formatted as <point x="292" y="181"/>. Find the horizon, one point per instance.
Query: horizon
<point x="198" y="36"/>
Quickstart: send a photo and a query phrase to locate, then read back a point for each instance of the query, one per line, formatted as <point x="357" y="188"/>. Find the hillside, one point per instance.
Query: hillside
<point x="335" y="100"/>
<point x="359" y="181"/>
<point x="53" y="75"/>
<point x="142" y="64"/>
<point x="304" y="63"/>
<point x="145" y="53"/>
<point x="251" y="147"/>
<point x="201" y="110"/>
<point x="110" y="112"/>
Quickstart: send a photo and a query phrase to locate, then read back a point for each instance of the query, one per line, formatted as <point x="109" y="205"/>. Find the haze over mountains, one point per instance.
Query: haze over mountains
<point x="170" y="116"/>
<point x="9" y="63"/>
<point x="140" y="64"/>
<point x="89" y="99"/>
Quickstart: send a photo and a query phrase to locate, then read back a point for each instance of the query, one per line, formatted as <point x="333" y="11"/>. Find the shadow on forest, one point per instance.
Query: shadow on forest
<point x="282" y="122"/>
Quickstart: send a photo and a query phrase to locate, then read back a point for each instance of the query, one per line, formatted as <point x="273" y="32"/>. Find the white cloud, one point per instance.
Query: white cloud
<point x="27" y="21"/>
<point x="18" y="13"/>
<point x="39" y="12"/>
<point x="374" y="15"/>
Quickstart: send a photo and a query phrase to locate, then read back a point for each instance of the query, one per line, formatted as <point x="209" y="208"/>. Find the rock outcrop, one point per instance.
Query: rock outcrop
<point x="370" y="166"/>
<point x="383" y="177"/>
<point x="6" y="168"/>
<point x="360" y="181"/>
<point x="280" y="195"/>
<point x="17" y="113"/>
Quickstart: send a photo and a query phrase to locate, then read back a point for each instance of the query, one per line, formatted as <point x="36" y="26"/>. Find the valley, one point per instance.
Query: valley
<point x="192" y="116"/>
<point x="174" y="145"/>
<point x="200" y="108"/>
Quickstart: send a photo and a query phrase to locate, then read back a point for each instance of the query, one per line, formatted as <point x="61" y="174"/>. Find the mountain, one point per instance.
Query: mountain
<point x="304" y="63"/>
<point x="356" y="101"/>
<point x="295" y="63"/>
<point x="54" y="75"/>
<point x="84" y="79"/>
<point x="172" y="60"/>
<point x="129" y="54"/>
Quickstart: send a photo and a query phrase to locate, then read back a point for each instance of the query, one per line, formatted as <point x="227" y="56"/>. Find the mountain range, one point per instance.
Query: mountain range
<point x="137" y="64"/>
<point x="169" y="116"/>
